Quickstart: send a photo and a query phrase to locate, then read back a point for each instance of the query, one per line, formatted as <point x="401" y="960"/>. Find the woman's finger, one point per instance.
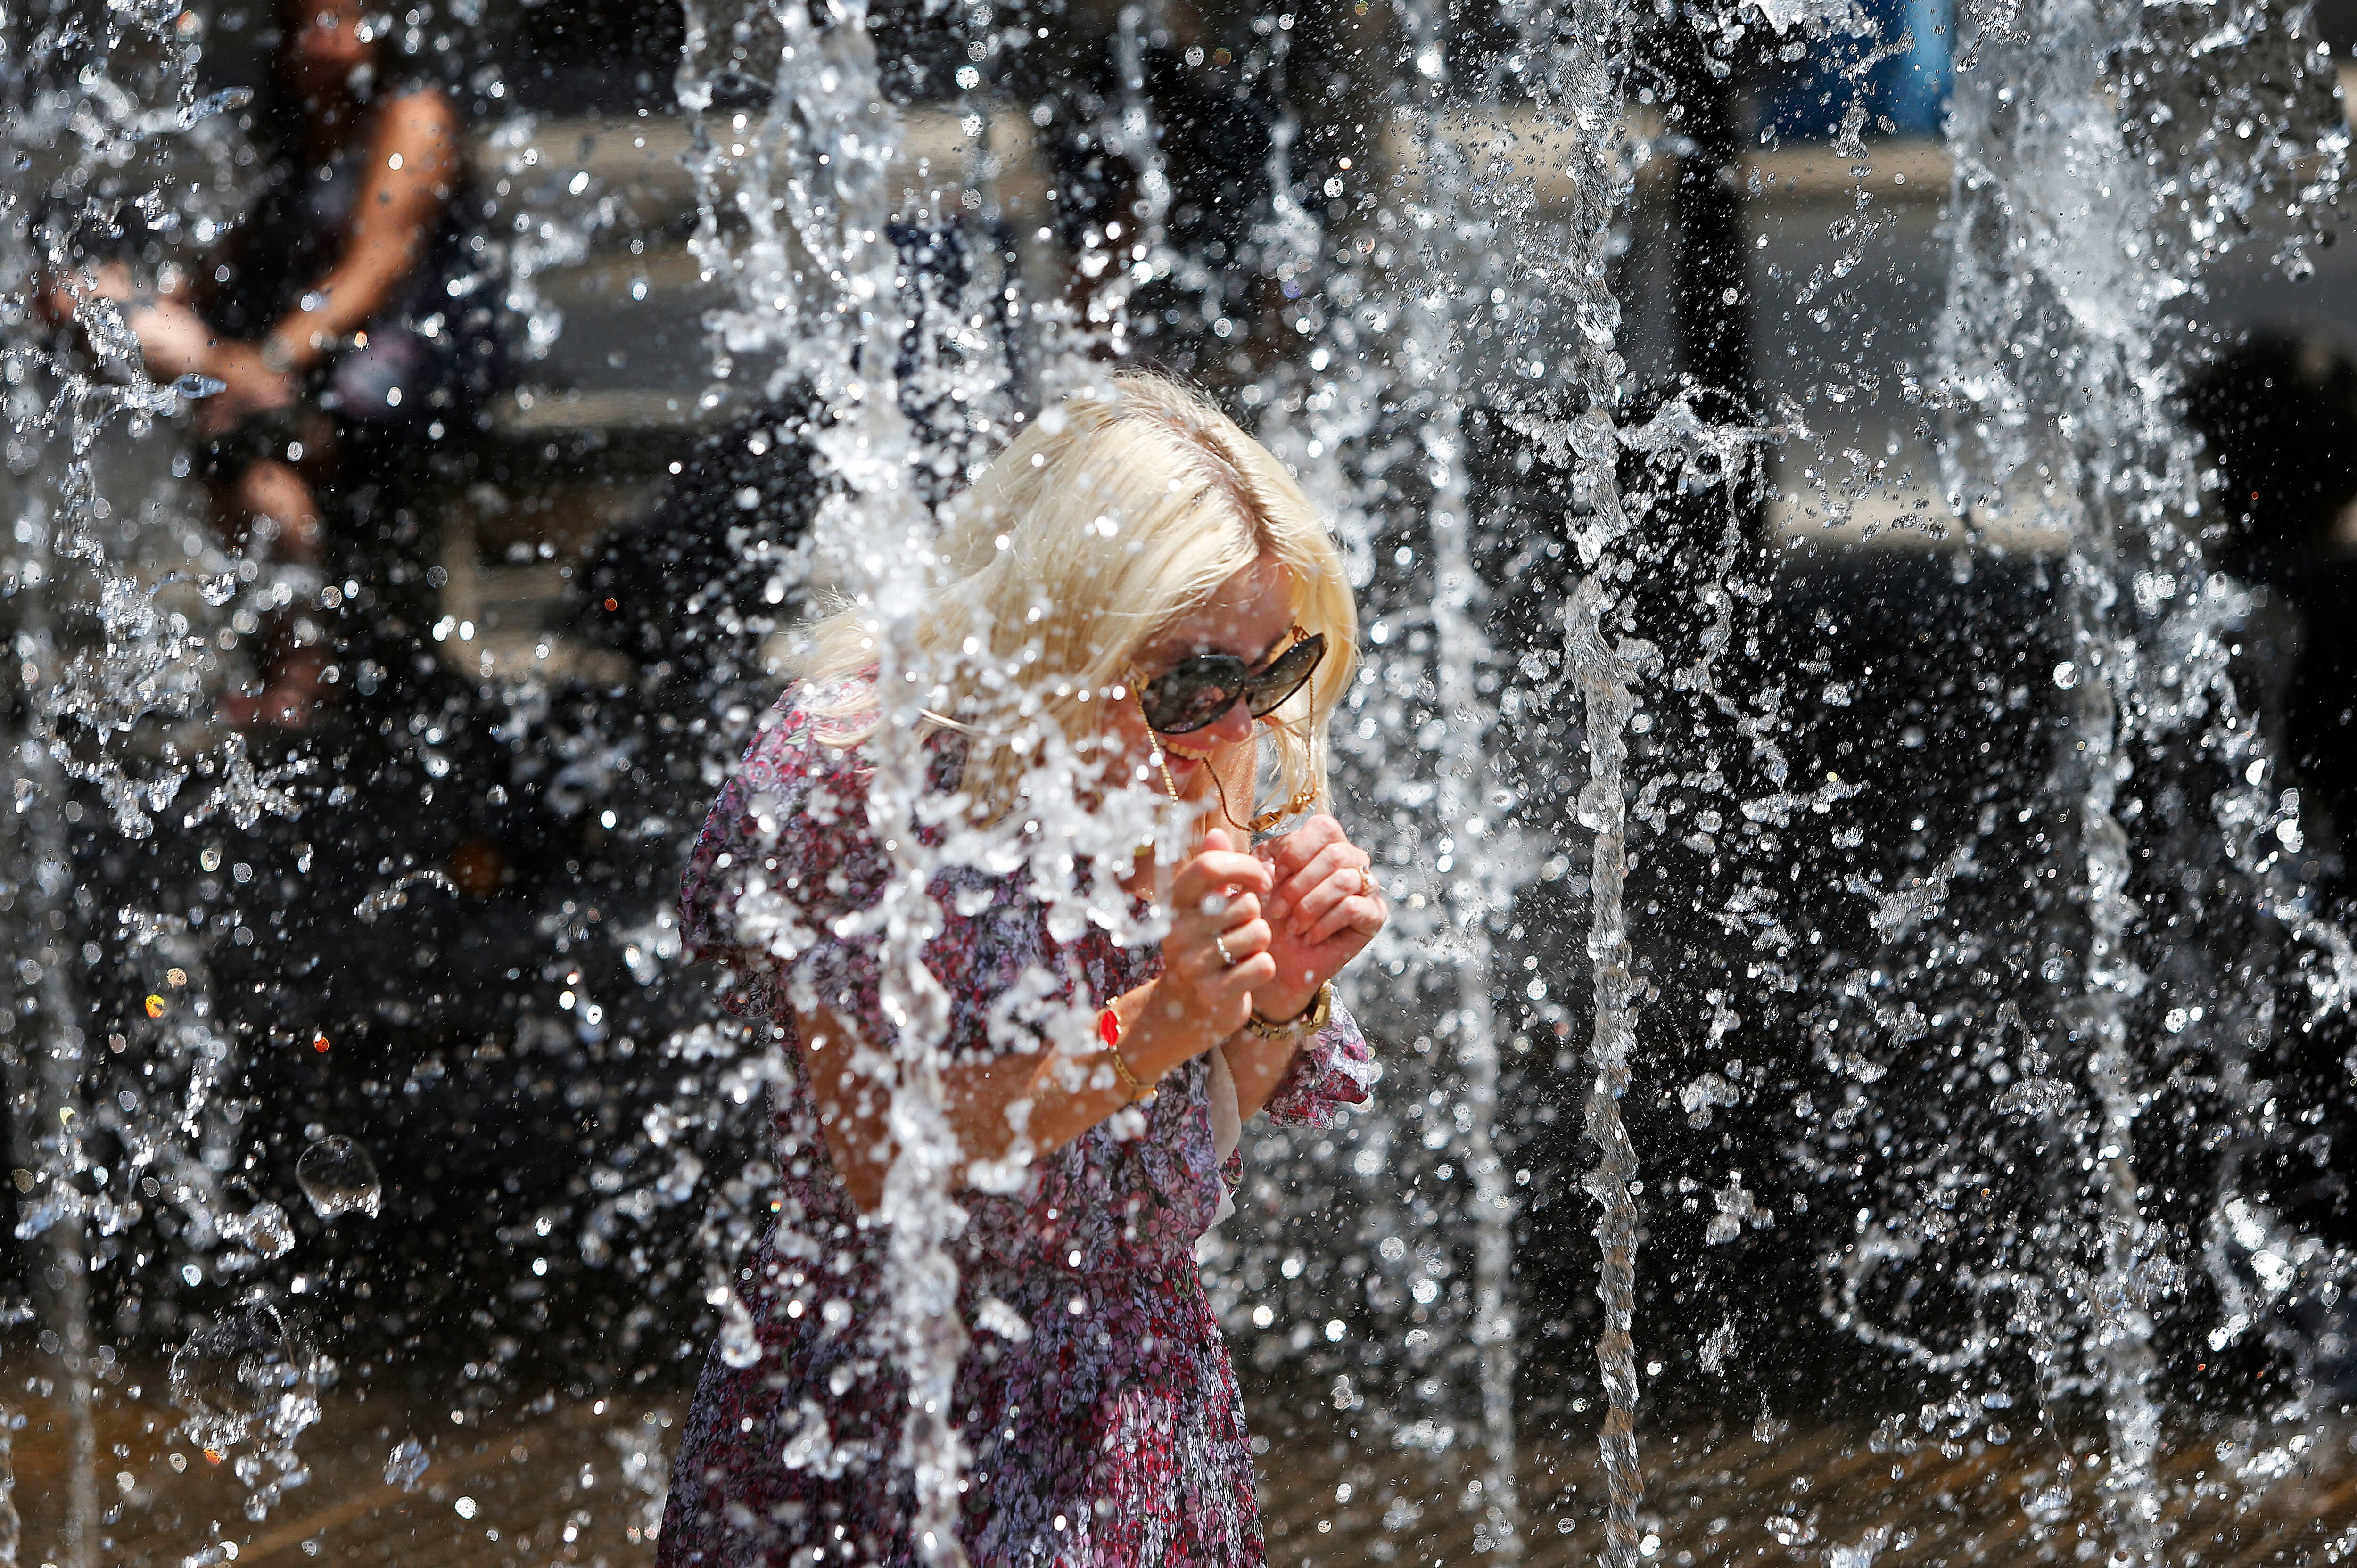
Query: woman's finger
<point x="1216" y="918"/>
<point x="1342" y="857"/>
<point x="1224" y="951"/>
<point x="1365" y="915"/>
<point x="1233" y="988"/>
<point x="1207" y="955"/>
<point x="1254" y="936"/>
<point x="1319" y="901"/>
<point x="1217" y="872"/>
<point x="1200" y="962"/>
<point x="1289" y="854"/>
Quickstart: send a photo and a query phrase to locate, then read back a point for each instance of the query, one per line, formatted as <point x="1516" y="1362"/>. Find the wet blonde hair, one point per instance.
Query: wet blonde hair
<point x="1114" y="514"/>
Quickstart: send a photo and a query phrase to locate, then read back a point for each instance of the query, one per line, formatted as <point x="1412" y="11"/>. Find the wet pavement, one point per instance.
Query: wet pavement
<point x="577" y="1481"/>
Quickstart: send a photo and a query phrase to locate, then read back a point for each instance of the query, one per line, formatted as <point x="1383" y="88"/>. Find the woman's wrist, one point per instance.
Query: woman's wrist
<point x="1136" y="1090"/>
<point x="1156" y="1038"/>
<point x="1307" y="1017"/>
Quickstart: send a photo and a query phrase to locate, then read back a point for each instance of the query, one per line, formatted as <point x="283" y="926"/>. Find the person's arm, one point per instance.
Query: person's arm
<point x="854" y="1105"/>
<point x="1198" y="1001"/>
<point x="413" y="168"/>
<point x="981" y="1099"/>
<point x="172" y="338"/>
<point x="1257" y="1066"/>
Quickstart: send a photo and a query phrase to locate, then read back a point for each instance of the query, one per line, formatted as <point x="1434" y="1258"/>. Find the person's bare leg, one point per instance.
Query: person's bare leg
<point x="272" y="505"/>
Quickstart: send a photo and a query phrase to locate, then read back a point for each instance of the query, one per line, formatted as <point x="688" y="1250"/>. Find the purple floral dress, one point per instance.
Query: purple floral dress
<point x="1096" y="1394"/>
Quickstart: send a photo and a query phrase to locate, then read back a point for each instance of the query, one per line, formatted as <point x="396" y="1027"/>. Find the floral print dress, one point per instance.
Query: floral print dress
<point x="1096" y="1396"/>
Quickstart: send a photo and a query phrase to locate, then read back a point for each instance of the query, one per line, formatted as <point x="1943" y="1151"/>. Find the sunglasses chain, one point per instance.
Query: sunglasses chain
<point x="1259" y="824"/>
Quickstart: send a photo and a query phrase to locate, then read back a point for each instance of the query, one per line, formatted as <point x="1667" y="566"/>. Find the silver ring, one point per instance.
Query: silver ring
<point x="1227" y="959"/>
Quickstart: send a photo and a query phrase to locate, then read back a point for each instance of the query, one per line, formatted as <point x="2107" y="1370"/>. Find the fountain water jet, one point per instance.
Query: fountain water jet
<point x="53" y="74"/>
<point x="2061" y="244"/>
<point x="1455" y="259"/>
<point x="1577" y="69"/>
<point x="838" y="141"/>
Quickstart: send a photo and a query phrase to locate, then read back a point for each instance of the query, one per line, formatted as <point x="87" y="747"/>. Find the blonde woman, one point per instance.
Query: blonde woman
<point x="1140" y="573"/>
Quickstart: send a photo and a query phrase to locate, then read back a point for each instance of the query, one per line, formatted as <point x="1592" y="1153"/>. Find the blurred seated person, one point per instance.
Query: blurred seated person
<point x="338" y="327"/>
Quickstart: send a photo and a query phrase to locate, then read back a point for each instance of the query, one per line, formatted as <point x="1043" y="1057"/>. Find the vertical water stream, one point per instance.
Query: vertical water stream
<point x="1576" y="61"/>
<point x="829" y="161"/>
<point x="2051" y="198"/>
<point x="49" y="1130"/>
<point x="2069" y="270"/>
<point x="1453" y="262"/>
<point x="80" y="99"/>
<point x="12" y="1531"/>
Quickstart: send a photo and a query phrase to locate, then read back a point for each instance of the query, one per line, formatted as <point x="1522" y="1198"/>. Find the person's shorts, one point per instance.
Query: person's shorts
<point x="272" y="435"/>
<point x="392" y="388"/>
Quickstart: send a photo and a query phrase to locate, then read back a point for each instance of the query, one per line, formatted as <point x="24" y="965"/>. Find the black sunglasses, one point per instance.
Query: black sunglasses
<point x="1195" y="692"/>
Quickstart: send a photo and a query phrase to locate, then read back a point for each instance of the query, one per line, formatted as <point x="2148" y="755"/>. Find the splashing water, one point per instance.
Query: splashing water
<point x="2064" y="216"/>
<point x="395" y="895"/>
<point x="1578" y="47"/>
<point x="127" y="1138"/>
<point x="249" y="1377"/>
<point x="11" y="1525"/>
<point x="831" y="131"/>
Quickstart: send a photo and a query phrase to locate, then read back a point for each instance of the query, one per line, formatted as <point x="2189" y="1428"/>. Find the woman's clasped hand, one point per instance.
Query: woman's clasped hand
<point x="1217" y="954"/>
<point x="1324" y="909"/>
<point x="1255" y="934"/>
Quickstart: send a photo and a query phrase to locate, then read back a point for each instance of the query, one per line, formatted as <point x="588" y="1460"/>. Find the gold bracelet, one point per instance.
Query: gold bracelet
<point x="1109" y="1030"/>
<point x="1307" y="1021"/>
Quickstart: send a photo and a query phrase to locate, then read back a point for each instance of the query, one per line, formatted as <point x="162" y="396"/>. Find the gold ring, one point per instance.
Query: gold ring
<point x="1366" y="883"/>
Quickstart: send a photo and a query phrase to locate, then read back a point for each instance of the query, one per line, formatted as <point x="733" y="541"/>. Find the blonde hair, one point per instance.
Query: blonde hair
<point x="1114" y="514"/>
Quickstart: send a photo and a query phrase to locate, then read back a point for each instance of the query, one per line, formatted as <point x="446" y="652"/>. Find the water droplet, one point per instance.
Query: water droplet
<point x="235" y="1373"/>
<point x="740" y="1346"/>
<point x="156" y="1006"/>
<point x="265" y="1228"/>
<point x="406" y="1465"/>
<point x="175" y="978"/>
<point x="319" y="1043"/>
<point x="209" y="859"/>
<point x="465" y="1507"/>
<point x="338" y="1177"/>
